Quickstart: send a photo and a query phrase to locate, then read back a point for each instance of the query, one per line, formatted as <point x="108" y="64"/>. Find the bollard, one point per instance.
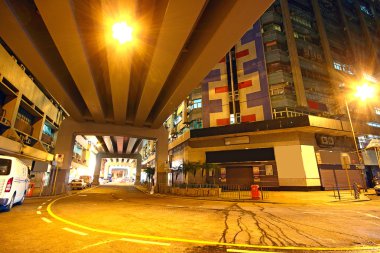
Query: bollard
<point x="30" y="190"/>
<point x="356" y="191"/>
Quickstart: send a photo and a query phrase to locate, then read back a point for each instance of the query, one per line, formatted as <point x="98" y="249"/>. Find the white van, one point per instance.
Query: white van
<point x="14" y="182"/>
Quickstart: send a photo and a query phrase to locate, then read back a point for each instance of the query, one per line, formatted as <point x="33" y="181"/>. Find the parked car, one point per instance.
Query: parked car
<point x="87" y="180"/>
<point x="14" y="182"/>
<point x="77" y="184"/>
<point x="377" y="187"/>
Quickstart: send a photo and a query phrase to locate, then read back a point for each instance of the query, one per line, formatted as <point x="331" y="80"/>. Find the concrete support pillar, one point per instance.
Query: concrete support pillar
<point x="64" y="146"/>
<point x="98" y="166"/>
<point x="293" y="55"/>
<point x="138" y="169"/>
<point x="348" y="31"/>
<point x="372" y="50"/>
<point x="302" y="172"/>
<point x="324" y="40"/>
<point x="162" y="163"/>
<point x="335" y="77"/>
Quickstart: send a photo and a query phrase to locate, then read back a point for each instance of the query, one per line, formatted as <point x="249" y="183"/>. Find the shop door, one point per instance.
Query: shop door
<point x="239" y="175"/>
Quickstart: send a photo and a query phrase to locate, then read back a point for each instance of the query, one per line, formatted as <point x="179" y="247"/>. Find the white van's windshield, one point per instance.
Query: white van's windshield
<point x="5" y="167"/>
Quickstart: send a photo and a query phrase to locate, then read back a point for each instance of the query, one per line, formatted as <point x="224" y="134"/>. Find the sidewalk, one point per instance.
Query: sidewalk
<point x="286" y="197"/>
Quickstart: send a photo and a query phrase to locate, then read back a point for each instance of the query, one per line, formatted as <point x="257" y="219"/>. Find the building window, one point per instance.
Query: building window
<point x="178" y="118"/>
<point x="337" y="66"/>
<point x="196" y="124"/>
<point x="47" y="130"/>
<point x="197" y="103"/>
<point x="237" y="117"/>
<point x="365" y="10"/>
<point x="374" y="124"/>
<point x="232" y="119"/>
<point x="343" y="67"/>
<point x="272" y="27"/>
<point x="300" y="20"/>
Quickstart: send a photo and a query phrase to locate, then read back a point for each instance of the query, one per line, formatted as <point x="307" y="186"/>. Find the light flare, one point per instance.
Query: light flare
<point x="365" y="91"/>
<point x="122" y="32"/>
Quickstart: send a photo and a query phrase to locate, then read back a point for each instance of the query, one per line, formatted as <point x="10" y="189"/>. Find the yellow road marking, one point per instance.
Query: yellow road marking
<point x="249" y="251"/>
<point x="183" y="240"/>
<point x="145" y="242"/>
<point x="46" y="220"/>
<point x="74" y="231"/>
<point x="38" y="212"/>
<point x="95" y="244"/>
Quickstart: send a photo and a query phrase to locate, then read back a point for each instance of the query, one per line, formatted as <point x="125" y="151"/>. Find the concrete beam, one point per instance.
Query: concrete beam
<point x="125" y="144"/>
<point x="118" y="56"/>
<point x="104" y="146"/>
<point x="119" y="143"/>
<point x="171" y="40"/>
<point x="131" y="143"/>
<point x="60" y="21"/>
<point x="108" y="141"/>
<point x="136" y="146"/>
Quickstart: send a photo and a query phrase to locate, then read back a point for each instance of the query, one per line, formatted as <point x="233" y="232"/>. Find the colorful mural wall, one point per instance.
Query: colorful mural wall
<point x="236" y="89"/>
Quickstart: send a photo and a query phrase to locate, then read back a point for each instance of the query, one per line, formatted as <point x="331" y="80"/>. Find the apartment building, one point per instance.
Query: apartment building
<point x="273" y="110"/>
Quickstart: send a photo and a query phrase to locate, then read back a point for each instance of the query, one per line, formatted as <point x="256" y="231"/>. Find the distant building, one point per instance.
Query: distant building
<point x="272" y="112"/>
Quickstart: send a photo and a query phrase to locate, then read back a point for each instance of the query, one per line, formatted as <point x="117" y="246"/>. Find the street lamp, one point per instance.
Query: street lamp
<point x="122" y="32"/>
<point x="363" y="92"/>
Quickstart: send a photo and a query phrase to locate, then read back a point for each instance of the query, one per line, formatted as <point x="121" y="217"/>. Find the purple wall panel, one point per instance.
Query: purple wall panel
<point x="262" y="97"/>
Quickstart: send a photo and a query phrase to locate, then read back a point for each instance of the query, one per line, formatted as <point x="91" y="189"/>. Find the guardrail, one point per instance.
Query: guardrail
<point x="231" y="192"/>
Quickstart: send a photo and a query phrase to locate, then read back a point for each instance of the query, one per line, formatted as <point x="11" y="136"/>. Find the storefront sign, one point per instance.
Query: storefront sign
<point x="325" y="140"/>
<point x="236" y="140"/>
<point x="59" y="159"/>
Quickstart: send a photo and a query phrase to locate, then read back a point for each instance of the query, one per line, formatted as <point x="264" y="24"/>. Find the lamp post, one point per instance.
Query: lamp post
<point x="363" y="92"/>
<point x="354" y="138"/>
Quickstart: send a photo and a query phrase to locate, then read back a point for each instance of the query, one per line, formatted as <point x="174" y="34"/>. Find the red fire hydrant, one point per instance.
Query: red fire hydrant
<point x="255" y="193"/>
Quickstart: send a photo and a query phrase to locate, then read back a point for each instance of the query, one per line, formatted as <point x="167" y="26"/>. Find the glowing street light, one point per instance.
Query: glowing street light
<point x="122" y="32"/>
<point x="363" y="92"/>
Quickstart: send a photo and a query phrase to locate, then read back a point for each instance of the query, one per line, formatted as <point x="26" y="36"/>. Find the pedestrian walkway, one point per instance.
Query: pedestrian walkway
<point x="288" y="197"/>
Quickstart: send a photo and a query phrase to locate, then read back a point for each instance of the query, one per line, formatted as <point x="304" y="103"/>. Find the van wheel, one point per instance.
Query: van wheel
<point x="22" y="199"/>
<point x="9" y="207"/>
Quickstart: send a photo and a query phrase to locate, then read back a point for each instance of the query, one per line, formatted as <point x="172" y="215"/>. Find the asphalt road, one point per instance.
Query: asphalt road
<point x="123" y="219"/>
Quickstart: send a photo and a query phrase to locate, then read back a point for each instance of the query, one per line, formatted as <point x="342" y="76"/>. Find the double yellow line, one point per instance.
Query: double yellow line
<point x="183" y="240"/>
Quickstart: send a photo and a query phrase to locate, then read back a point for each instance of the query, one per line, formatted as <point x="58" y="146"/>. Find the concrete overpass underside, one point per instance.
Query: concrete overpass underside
<point x="113" y="89"/>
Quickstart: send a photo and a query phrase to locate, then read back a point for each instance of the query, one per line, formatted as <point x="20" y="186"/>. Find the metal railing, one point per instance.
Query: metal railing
<point x="213" y="191"/>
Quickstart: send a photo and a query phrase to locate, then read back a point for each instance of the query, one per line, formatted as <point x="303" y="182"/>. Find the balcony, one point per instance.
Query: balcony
<point x="195" y="114"/>
<point x="273" y="35"/>
<point x="271" y="17"/>
<point x="284" y="100"/>
<point x="279" y="77"/>
<point x="276" y="56"/>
